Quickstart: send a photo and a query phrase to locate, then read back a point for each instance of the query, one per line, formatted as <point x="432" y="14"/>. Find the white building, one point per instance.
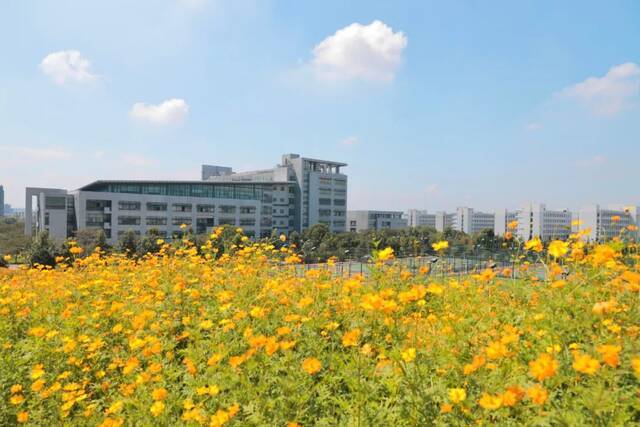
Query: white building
<point x="445" y="220"/>
<point x="420" y="218"/>
<point x="607" y="223"/>
<point x="375" y="220"/>
<point x="469" y="221"/>
<point x="292" y="196"/>
<point x="502" y="219"/>
<point x="534" y="220"/>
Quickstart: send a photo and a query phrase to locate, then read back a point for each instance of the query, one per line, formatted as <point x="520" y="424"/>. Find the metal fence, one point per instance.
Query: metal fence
<point x="444" y="266"/>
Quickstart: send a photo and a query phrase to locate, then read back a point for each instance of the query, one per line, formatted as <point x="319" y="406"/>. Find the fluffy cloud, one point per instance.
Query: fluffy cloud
<point x="35" y="153"/>
<point x="352" y="140"/>
<point x="611" y="93"/>
<point x="67" y="66"/>
<point x="369" y="52"/>
<point x="171" y="111"/>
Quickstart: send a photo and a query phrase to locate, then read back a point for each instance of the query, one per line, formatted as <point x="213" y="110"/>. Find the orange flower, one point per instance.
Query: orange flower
<point x="490" y="402"/>
<point x="610" y="354"/>
<point x="585" y="364"/>
<point x="537" y="394"/>
<point x="159" y="394"/>
<point x="311" y="365"/>
<point x="545" y="366"/>
<point x="351" y="338"/>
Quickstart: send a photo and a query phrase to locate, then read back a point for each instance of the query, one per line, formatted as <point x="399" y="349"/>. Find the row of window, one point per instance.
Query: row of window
<point x="327" y="201"/>
<point x="100" y="205"/>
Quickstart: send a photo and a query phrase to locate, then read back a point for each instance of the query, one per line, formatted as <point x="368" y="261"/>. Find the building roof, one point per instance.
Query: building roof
<point x="88" y="187"/>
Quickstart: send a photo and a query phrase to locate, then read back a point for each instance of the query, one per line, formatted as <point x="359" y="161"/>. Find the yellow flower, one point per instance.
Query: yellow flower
<point x="457" y="395"/>
<point x="351" y="338"/>
<point x="440" y="246"/>
<point x="385" y="254"/>
<point x="311" y="365"/>
<point x="534" y="244"/>
<point x="283" y="238"/>
<point x="545" y="366"/>
<point x="17" y="388"/>
<point x="37" y="371"/>
<point x="37" y="385"/>
<point x="585" y="364"/>
<point x="16" y="399"/>
<point x="490" y="402"/>
<point x="635" y="364"/>
<point x="409" y="355"/>
<point x="159" y="394"/>
<point x="157" y="408"/>
<point x="558" y="248"/>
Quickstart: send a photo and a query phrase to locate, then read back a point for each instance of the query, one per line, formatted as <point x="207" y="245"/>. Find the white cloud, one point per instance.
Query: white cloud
<point x="352" y="140"/>
<point x="611" y="93"/>
<point x="532" y="127"/>
<point x="432" y="189"/>
<point x="171" y="111"/>
<point x="369" y="52"/>
<point x="35" y="153"/>
<point x="67" y="66"/>
<point x="138" y="160"/>
<point x="596" y="160"/>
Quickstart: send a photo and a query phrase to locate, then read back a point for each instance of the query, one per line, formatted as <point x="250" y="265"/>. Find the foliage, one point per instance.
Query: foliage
<point x="42" y="251"/>
<point x="186" y="335"/>
<point x="12" y="238"/>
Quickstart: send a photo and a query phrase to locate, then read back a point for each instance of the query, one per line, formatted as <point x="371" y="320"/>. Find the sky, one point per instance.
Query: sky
<point x="433" y="105"/>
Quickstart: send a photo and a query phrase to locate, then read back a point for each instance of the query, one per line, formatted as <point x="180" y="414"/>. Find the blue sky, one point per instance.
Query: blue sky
<point x="433" y="105"/>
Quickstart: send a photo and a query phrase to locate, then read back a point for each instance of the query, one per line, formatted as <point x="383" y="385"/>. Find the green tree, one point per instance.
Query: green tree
<point x="128" y="243"/>
<point x="42" y="250"/>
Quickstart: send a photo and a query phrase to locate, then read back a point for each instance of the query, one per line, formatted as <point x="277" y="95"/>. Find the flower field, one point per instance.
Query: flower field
<point x="186" y="337"/>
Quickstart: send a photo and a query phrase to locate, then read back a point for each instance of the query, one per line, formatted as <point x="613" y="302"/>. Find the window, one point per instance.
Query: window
<point x="56" y="203"/>
<point x="339" y="202"/>
<point x="129" y="206"/>
<point x="202" y="224"/>
<point x="226" y="209"/>
<point x="93" y="219"/>
<point x="46" y="218"/>
<point x="97" y="205"/>
<point x="340" y="182"/>
<point x="128" y="220"/>
<point x="227" y="221"/>
<point x="324" y="212"/>
<point x="247" y="209"/>
<point x="206" y="208"/>
<point x="182" y="207"/>
<point x="156" y="220"/>
<point x="338" y="213"/>
<point x="156" y="207"/>
<point x="324" y="201"/>
<point x="179" y="220"/>
<point x="248" y="222"/>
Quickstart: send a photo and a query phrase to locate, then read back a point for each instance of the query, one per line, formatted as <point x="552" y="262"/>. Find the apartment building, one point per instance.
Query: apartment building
<point x="535" y="220"/>
<point x="445" y="220"/>
<point x="375" y="220"/>
<point x="420" y="218"/>
<point x="502" y="219"/>
<point x="604" y="223"/>
<point x="471" y="221"/>
<point x="292" y="196"/>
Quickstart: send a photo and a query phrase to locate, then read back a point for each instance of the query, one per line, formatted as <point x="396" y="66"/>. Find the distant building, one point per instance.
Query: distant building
<point x="469" y="221"/>
<point x="502" y="219"/>
<point x="418" y="218"/>
<point x="445" y="220"/>
<point x="292" y="196"/>
<point x="607" y="223"/>
<point x="375" y="220"/>
<point x="535" y="220"/>
<point x="2" y="205"/>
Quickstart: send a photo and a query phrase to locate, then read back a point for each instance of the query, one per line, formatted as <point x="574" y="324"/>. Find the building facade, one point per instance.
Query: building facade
<point x="502" y="219"/>
<point x="535" y="220"/>
<point x="605" y="223"/>
<point x="375" y="220"/>
<point x="445" y="220"/>
<point x="2" y="207"/>
<point x="469" y="221"/>
<point x="420" y="218"/>
<point x="258" y="202"/>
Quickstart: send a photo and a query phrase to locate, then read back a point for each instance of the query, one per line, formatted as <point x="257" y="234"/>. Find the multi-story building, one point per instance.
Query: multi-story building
<point x="534" y="220"/>
<point x="502" y="219"/>
<point x="418" y="218"/>
<point x="375" y="220"/>
<point x="607" y="223"/>
<point x="292" y="196"/>
<point x="470" y="221"/>
<point x="1" y="200"/>
<point x="445" y="220"/>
